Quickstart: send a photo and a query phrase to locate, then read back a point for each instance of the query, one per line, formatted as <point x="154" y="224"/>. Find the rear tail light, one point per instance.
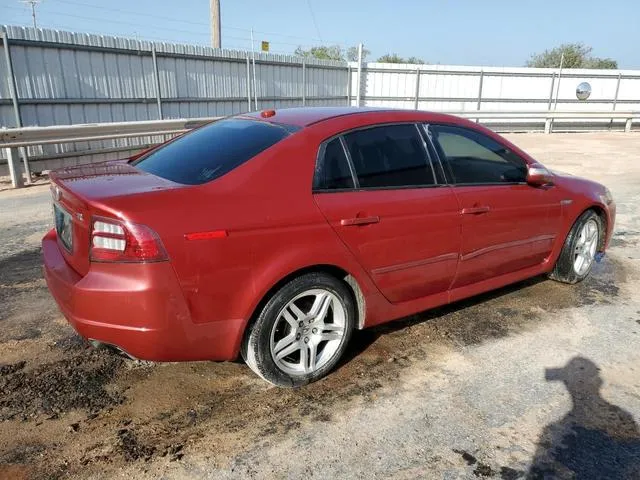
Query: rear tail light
<point x="116" y="241"/>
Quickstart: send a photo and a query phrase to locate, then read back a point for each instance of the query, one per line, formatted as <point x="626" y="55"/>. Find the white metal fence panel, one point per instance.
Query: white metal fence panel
<point x="466" y="88"/>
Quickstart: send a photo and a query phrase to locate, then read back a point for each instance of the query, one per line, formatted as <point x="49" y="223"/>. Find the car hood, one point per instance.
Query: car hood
<point x="579" y="185"/>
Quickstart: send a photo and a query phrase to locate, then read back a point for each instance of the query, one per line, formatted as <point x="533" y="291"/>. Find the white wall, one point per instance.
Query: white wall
<point x="453" y="88"/>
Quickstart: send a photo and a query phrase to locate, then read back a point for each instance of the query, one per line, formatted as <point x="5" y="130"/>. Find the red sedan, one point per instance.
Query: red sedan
<point x="276" y="234"/>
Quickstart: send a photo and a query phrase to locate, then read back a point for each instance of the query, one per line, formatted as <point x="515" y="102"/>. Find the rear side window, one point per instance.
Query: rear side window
<point x="211" y="151"/>
<point x="389" y="156"/>
<point x="474" y="158"/>
<point x="332" y="169"/>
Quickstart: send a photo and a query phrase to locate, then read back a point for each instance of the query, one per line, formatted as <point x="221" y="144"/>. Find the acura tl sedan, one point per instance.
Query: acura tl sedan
<point x="273" y="235"/>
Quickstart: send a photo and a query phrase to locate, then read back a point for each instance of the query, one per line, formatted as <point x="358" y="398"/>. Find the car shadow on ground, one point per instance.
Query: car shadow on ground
<point x="363" y="339"/>
<point x="595" y="440"/>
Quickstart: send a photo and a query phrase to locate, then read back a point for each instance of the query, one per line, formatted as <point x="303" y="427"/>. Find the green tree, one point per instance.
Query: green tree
<point x="604" y="63"/>
<point x="322" y="52"/>
<point x="352" y="54"/>
<point x="395" y="58"/>
<point x="576" y="55"/>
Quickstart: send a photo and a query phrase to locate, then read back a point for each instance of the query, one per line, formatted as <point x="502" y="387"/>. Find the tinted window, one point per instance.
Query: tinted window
<point x="332" y="169"/>
<point x="389" y="156"/>
<point x="211" y="151"/>
<point x="475" y="158"/>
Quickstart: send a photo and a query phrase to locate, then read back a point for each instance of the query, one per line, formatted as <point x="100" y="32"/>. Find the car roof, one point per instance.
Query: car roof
<point x="305" y="116"/>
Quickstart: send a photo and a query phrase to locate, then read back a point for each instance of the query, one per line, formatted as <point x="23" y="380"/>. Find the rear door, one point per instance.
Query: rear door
<point x="377" y="188"/>
<point x="507" y="225"/>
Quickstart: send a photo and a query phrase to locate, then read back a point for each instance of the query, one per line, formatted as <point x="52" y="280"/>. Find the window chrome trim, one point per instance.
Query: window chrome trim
<point x="354" y="175"/>
<point x="427" y="165"/>
<point x="426" y="152"/>
<point x="352" y="168"/>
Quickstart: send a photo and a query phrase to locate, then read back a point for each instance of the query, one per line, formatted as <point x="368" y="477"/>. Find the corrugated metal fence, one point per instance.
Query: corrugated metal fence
<point x="70" y="78"/>
<point x="52" y="77"/>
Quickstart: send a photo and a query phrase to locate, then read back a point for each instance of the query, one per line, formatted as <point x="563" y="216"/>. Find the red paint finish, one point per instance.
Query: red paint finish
<point x="403" y="260"/>
<point x="230" y="241"/>
<point x="505" y="229"/>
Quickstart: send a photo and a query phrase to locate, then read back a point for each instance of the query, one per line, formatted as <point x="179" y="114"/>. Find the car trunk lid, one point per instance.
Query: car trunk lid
<point x="79" y="193"/>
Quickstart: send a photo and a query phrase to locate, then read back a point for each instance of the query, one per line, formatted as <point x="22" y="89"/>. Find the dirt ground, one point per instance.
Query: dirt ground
<point x="499" y="386"/>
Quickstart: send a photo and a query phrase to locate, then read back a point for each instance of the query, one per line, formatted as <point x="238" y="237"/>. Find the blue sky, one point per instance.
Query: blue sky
<point x="470" y="32"/>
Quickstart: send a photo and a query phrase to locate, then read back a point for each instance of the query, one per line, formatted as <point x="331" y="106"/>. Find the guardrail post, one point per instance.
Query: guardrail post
<point x="13" y="159"/>
<point x="628" y="124"/>
<point x="548" y="125"/>
<point x="415" y="105"/>
<point x="13" y="89"/>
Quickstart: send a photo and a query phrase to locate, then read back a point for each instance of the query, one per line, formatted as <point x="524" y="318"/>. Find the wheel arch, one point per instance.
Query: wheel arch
<point x="604" y="218"/>
<point x="333" y="270"/>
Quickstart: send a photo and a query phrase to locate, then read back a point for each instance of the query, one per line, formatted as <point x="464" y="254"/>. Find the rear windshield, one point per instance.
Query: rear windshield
<point x="211" y="151"/>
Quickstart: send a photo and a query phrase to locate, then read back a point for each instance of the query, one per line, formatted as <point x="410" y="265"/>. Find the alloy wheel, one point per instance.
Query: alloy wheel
<point x="308" y="332"/>
<point x="585" y="248"/>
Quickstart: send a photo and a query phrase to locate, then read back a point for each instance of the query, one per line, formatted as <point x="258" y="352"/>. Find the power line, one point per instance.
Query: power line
<point x="192" y="32"/>
<point x="313" y="17"/>
<point x="204" y="24"/>
<point x="33" y="4"/>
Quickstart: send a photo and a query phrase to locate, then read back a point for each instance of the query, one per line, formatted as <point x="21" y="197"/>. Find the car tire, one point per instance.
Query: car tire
<point x="302" y="331"/>
<point x="579" y="244"/>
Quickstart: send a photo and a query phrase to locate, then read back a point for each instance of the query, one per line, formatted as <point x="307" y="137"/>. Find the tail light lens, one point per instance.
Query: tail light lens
<point x="116" y="241"/>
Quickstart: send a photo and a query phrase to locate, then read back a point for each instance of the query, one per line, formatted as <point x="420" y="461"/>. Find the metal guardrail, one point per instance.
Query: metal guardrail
<point x="15" y="139"/>
<point x="27" y="136"/>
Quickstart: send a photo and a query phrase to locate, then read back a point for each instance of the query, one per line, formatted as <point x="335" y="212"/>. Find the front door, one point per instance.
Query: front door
<point x="507" y="225"/>
<point x="376" y="187"/>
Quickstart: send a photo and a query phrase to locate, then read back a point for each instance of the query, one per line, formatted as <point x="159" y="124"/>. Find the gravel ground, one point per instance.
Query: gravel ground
<point x="507" y="385"/>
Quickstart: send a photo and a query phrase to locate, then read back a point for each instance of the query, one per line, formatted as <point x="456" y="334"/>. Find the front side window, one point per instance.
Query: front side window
<point x="211" y="151"/>
<point x="389" y="156"/>
<point x="474" y="158"/>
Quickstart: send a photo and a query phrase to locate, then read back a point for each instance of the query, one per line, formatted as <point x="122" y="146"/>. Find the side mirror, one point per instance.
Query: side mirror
<point x="538" y="176"/>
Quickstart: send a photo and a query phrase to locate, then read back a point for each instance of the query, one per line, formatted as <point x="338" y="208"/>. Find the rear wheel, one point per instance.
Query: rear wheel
<point x="302" y="331"/>
<point x="579" y="250"/>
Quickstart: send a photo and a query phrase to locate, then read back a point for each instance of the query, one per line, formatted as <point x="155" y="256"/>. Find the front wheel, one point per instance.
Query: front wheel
<point x="302" y="331"/>
<point x="579" y="250"/>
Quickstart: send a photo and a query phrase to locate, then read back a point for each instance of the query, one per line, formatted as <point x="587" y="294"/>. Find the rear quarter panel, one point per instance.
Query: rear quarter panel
<point x="274" y="228"/>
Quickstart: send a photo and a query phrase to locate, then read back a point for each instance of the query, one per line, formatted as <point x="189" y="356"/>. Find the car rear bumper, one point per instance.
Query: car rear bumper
<point x="136" y="307"/>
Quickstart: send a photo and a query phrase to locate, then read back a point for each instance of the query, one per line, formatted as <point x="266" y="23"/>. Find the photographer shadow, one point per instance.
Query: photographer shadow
<point x="595" y="440"/>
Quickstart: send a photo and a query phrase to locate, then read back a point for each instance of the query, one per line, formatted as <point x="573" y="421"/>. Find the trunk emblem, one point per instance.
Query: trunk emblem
<point x="79" y="216"/>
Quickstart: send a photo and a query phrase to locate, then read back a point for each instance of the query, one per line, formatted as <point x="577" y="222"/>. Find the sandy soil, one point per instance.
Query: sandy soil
<point x="464" y="391"/>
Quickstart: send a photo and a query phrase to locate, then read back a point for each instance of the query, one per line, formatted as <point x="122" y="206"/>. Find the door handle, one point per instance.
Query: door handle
<point x="475" y="210"/>
<point x="346" y="222"/>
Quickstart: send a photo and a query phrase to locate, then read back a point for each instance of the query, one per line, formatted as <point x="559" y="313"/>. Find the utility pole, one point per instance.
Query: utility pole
<point x="33" y="4"/>
<point x="215" y="23"/>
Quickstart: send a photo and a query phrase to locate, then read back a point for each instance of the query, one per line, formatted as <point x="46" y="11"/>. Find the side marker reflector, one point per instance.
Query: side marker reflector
<point x="205" y="235"/>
